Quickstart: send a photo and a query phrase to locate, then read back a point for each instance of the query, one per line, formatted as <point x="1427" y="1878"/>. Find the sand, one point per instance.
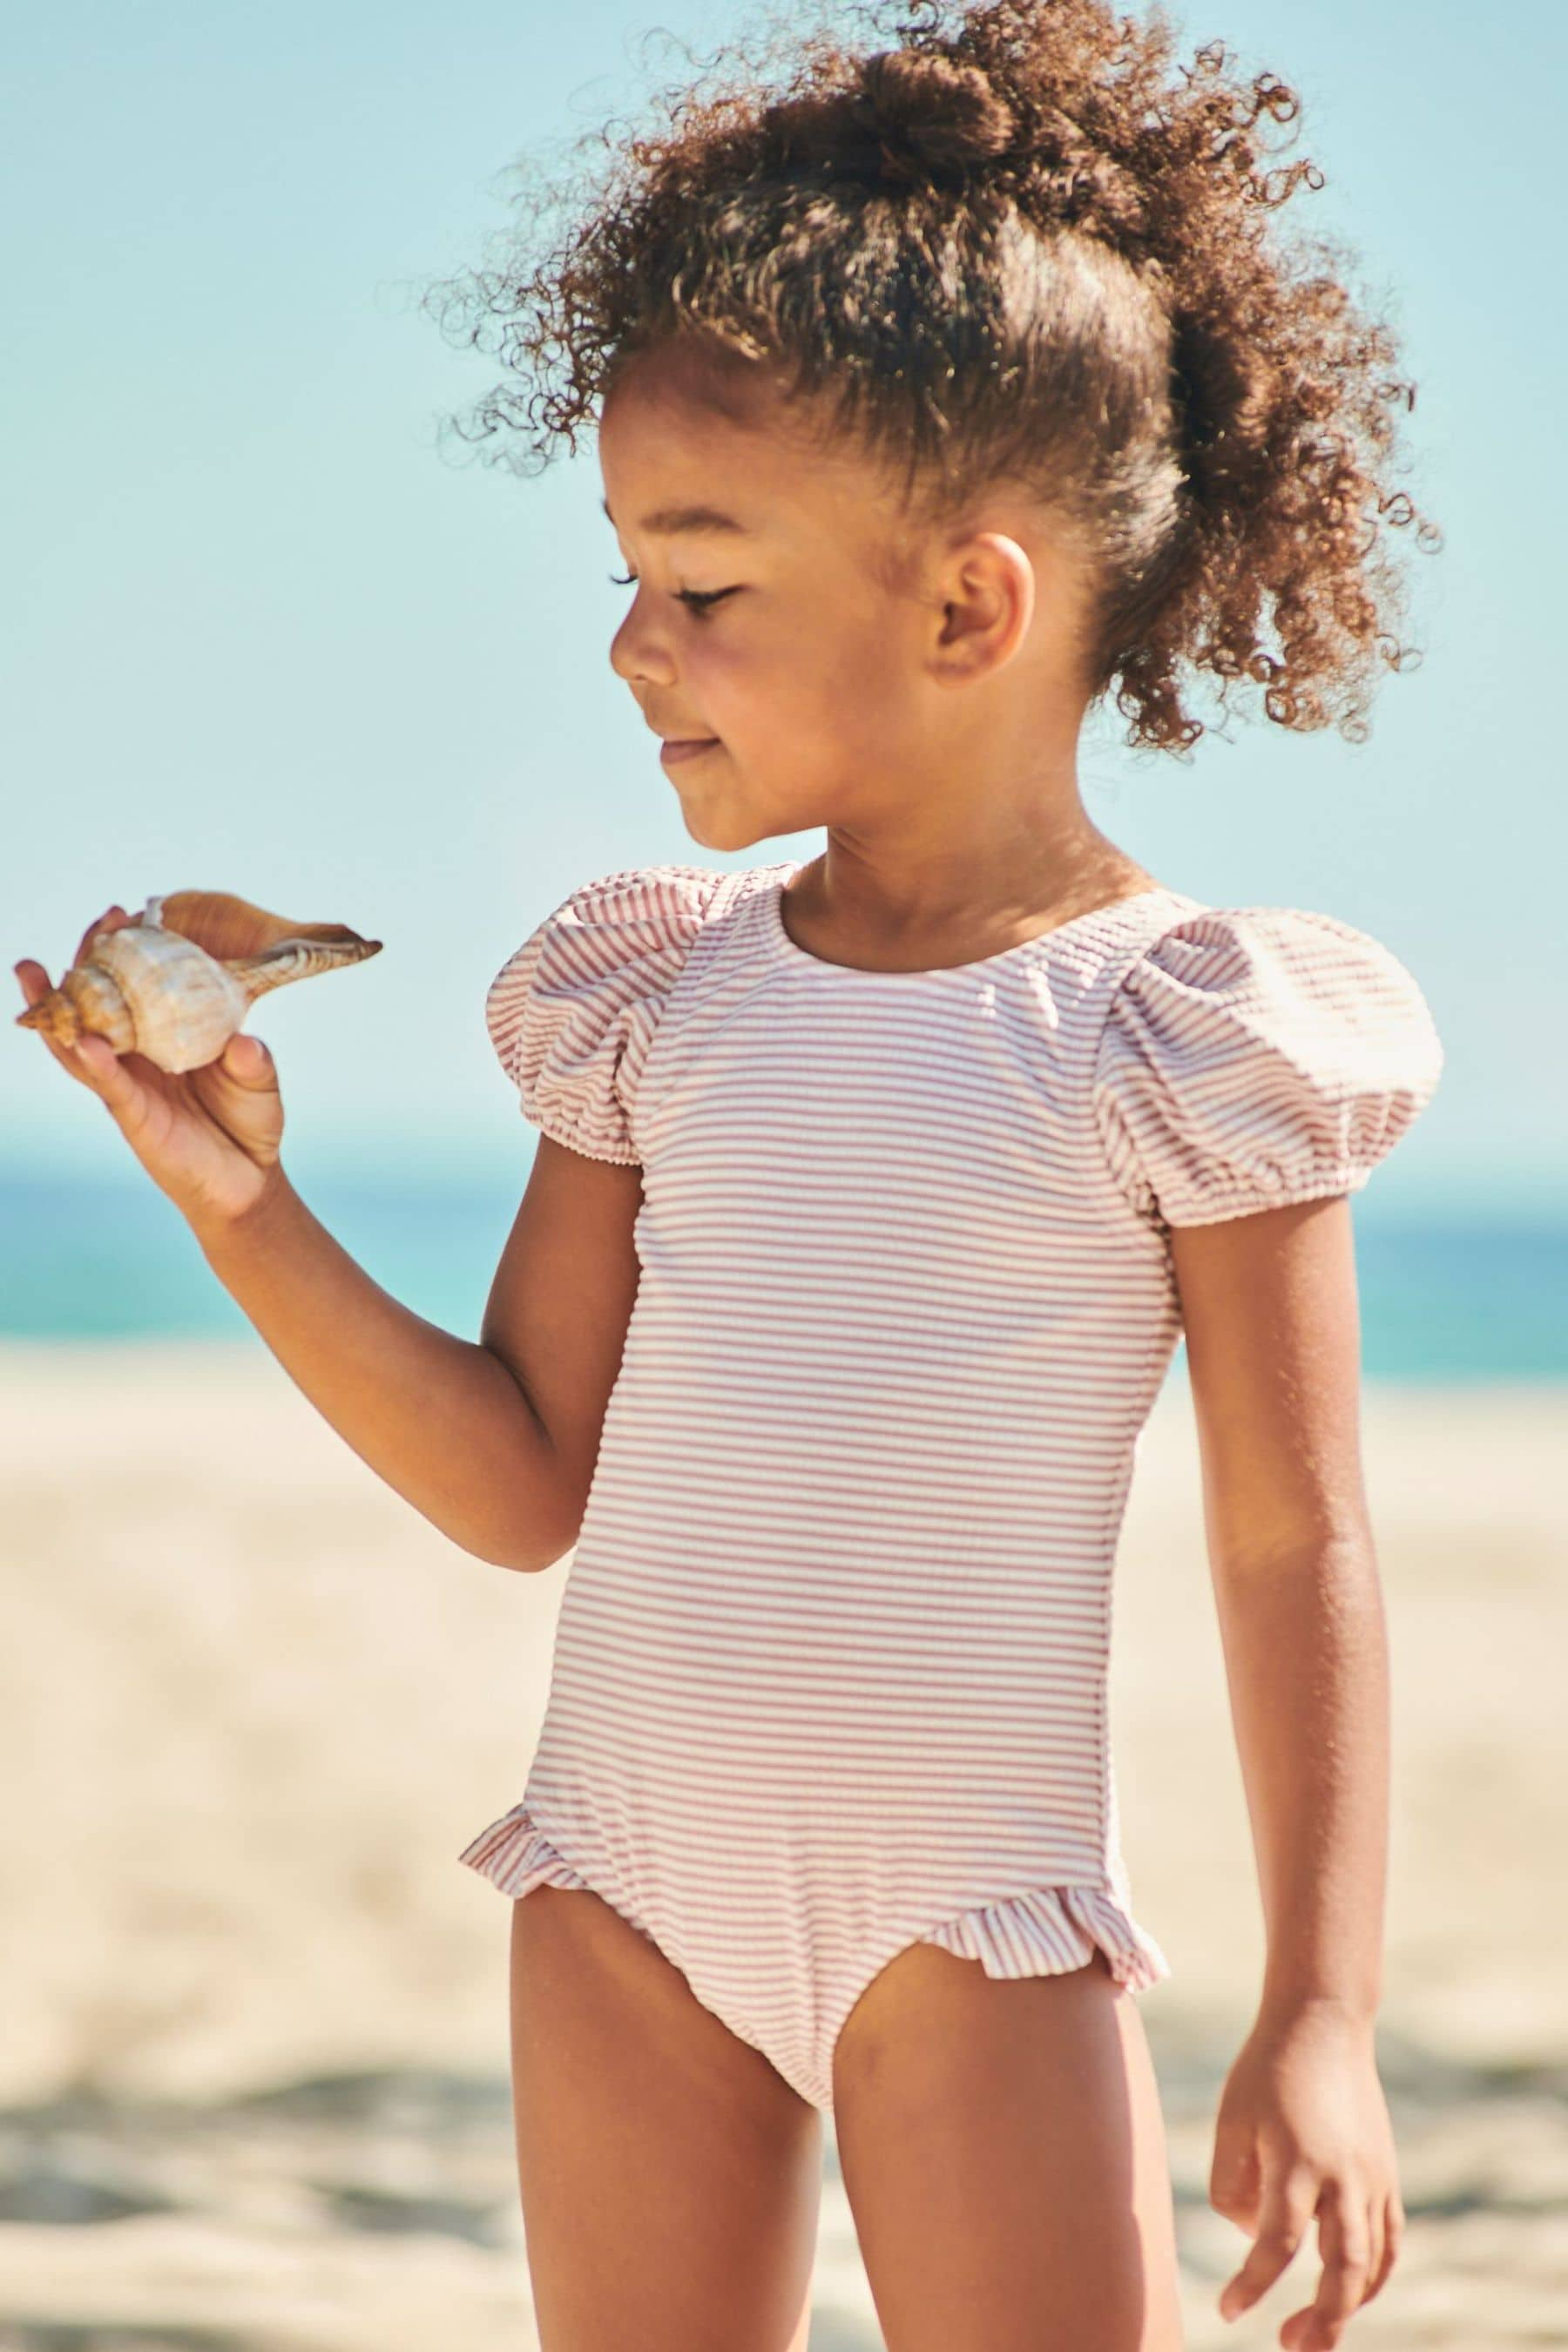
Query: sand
<point x="253" y="2036"/>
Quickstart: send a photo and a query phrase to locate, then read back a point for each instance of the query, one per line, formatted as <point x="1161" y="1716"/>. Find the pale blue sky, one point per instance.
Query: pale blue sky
<point x="260" y="634"/>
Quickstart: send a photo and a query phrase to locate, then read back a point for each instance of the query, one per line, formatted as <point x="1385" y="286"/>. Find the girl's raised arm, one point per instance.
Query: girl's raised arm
<point x="493" y="1443"/>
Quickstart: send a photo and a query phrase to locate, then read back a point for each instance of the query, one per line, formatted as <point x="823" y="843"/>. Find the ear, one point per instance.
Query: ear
<point x="984" y="593"/>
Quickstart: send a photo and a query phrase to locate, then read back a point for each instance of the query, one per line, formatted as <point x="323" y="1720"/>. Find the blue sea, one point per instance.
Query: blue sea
<point x="85" y="1258"/>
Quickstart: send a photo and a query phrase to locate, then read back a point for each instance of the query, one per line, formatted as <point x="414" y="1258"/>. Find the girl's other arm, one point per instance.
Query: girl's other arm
<point x="493" y="1443"/>
<point x="1272" y="1326"/>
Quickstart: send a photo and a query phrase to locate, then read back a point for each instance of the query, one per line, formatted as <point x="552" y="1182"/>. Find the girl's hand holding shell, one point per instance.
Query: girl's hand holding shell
<point x="150" y="1024"/>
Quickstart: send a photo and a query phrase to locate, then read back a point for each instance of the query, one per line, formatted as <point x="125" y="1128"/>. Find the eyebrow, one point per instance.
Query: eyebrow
<point x="665" y="520"/>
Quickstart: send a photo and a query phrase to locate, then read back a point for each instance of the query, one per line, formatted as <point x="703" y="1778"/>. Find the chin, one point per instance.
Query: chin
<point x="723" y="829"/>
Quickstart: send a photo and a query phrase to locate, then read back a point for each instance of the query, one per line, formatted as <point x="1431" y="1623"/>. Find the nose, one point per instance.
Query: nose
<point x="637" y="652"/>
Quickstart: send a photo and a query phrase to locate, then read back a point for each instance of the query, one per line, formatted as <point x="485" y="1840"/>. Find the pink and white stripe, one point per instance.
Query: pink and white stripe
<point x="830" y="1671"/>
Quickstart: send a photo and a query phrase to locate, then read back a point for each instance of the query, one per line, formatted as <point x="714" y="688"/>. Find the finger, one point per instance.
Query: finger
<point x="1285" y="2208"/>
<point x="1376" y="2216"/>
<point x="96" y="1058"/>
<point x="1342" y="2243"/>
<point x="113" y="919"/>
<point x="109" y="1079"/>
<point x="1393" y="2237"/>
<point x="36" y="985"/>
<point x="247" y="1059"/>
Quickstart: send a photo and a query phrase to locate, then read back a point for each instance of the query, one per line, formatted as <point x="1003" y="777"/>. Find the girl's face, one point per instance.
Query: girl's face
<point x="762" y="626"/>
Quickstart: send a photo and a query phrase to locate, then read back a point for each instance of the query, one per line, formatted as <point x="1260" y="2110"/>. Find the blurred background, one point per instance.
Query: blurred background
<point x="268" y="628"/>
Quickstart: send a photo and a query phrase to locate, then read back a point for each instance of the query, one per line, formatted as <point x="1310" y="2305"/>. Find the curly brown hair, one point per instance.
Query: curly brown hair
<point x="1007" y="242"/>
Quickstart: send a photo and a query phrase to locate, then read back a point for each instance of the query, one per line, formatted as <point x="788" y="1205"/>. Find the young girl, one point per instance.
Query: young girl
<point x="939" y="391"/>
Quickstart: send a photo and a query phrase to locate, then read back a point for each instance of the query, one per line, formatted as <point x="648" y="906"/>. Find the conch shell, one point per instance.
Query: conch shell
<point x="149" y="988"/>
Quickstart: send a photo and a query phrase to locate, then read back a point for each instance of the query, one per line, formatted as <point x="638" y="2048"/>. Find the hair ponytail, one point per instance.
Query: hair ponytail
<point x="1018" y="243"/>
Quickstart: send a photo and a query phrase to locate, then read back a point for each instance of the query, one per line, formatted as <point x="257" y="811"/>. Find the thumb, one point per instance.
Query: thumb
<point x="248" y="1060"/>
<point x="1234" y="2174"/>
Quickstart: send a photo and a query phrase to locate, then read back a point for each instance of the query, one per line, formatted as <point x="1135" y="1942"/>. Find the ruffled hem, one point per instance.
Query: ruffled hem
<point x="1051" y="1930"/>
<point x="515" y="1855"/>
<point x="1047" y="1932"/>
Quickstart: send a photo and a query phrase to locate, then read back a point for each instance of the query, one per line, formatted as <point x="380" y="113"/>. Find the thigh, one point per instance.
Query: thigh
<point x="1003" y="2156"/>
<point x="670" y="2178"/>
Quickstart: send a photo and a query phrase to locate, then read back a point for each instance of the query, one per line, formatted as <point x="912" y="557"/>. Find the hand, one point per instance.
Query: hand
<point x="1302" y="2131"/>
<point x="209" y="1138"/>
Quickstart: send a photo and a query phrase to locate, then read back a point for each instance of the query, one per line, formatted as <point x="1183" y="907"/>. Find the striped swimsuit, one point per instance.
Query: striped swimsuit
<point x="830" y="1669"/>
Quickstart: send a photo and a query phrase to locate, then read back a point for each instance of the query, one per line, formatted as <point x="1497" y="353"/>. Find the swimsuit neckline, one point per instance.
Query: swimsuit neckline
<point x="787" y="950"/>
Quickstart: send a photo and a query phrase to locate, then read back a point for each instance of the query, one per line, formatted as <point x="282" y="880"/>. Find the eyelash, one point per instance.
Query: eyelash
<point x="698" y="600"/>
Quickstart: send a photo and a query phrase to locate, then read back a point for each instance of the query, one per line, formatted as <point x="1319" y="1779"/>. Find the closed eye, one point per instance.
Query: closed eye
<point x="697" y="599"/>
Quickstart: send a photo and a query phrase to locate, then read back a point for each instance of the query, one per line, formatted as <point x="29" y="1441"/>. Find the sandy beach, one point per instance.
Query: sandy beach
<point x="253" y="2040"/>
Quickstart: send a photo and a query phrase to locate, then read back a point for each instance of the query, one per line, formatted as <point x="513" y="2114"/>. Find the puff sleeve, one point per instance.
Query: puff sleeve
<point x="1255" y="1056"/>
<point x="572" y="1014"/>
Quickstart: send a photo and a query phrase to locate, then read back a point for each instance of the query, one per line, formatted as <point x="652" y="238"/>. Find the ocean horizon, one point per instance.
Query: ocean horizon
<point x="1446" y="1299"/>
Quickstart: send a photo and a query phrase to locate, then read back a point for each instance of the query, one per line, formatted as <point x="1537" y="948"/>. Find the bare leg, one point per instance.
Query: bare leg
<point x="1003" y="2154"/>
<point x="670" y="2178"/>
